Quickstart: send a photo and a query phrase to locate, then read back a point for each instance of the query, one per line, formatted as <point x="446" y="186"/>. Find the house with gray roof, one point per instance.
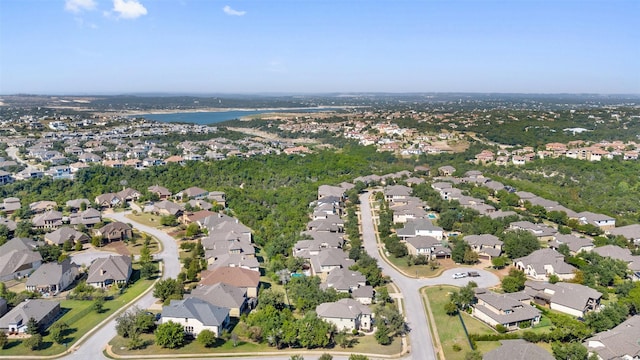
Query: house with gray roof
<point x="446" y="170"/>
<point x="329" y="190"/>
<point x="540" y="231"/>
<point x="39" y="207"/>
<point x="51" y="219"/>
<point x="10" y="205"/>
<point x="10" y="224"/>
<point x="569" y="298"/>
<point x="517" y="349"/>
<point x="501" y="309"/>
<point x="195" y="315"/>
<point x="88" y="217"/>
<point x="327" y="260"/>
<point x="193" y="192"/>
<point x="223" y="295"/>
<point x="232" y="260"/>
<point x="364" y="294"/>
<point x="621" y="342"/>
<point x="629" y="232"/>
<point x="344" y="280"/>
<point x="395" y="193"/>
<point x="346" y="314"/>
<point x="18" y="258"/>
<point x="52" y="278"/>
<point x="248" y="280"/>
<point x="419" y="227"/>
<point x="331" y="223"/>
<point x="543" y="263"/>
<point x="574" y="243"/>
<point x="115" y="231"/>
<point x="108" y="200"/>
<point x="423" y="245"/>
<point x="104" y="272"/>
<point x="63" y="234"/>
<point x="42" y="311"/>
<point x="163" y="192"/>
<point x="487" y="246"/>
<point x="602" y="221"/>
<point x="76" y="204"/>
<point x="167" y="207"/>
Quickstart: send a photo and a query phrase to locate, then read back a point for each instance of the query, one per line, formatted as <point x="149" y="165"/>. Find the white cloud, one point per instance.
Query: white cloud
<point x="129" y="9"/>
<point x="229" y="11"/>
<point x="76" y="6"/>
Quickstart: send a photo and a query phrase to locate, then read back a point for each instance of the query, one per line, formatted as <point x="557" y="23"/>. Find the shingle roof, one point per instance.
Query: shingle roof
<point x="195" y="308"/>
<point x="110" y="268"/>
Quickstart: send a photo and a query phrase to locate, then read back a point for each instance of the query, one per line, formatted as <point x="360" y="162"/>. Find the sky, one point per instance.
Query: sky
<point x="82" y="47"/>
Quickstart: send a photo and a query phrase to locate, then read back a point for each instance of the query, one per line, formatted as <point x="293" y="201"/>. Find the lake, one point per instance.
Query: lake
<point x="206" y="118"/>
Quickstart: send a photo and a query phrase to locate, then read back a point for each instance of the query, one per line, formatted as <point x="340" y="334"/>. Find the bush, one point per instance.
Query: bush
<point x="34" y="342"/>
<point x="456" y="347"/>
<point x="501" y="329"/>
<point x="207" y="338"/>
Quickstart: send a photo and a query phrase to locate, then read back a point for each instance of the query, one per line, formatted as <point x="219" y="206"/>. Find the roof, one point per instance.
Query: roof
<point x="484" y="239"/>
<point x="517" y="310"/>
<point x="30" y="308"/>
<point x="574" y="296"/>
<point x="220" y="294"/>
<point x="195" y="308"/>
<point x="116" y="226"/>
<point x="573" y="242"/>
<point x="236" y="276"/>
<point x="61" y="235"/>
<point x="517" y="349"/>
<point x="412" y="226"/>
<point x="16" y="253"/>
<point x="618" y="342"/>
<point x="51" y="273"/>
<point x="423" y="242"/>
<point x="342" y="309"/>
<point x="539" y="258"/>
<point x="345" y="279"/>
<point x="631" y="232"/>
<point x="614" y="252"/>
<point x="114" y="267"/>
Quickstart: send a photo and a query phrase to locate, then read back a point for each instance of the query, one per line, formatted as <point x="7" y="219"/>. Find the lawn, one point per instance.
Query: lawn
<point x="81" y="318"/>
<point x="419" y="270"/>
<point x="449" y="328"/>
<point x="366" y="344"/>
<point x="146" y="219"/>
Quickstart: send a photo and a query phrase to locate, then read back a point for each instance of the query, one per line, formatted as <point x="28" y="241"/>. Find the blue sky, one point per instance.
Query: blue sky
<point x="310" y="46"/>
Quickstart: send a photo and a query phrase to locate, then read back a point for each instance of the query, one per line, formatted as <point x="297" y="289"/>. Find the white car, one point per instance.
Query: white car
<point x="459" y="275"/>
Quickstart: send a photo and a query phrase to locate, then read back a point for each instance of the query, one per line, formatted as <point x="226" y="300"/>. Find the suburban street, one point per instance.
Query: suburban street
<point x="422" y="347"/>
<point x="93" y="346"/>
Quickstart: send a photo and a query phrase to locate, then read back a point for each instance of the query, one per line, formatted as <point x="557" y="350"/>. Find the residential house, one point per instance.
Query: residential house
<point x="166" y="207"/>
<point x="88" y="218"/>
<point x="52" y="278"/>
<point x="487" y="246"/>
<point x="419" y="227"/>
<point x="104" y="272"/>
<point x="604" y="222"/>
<point x="346" y="314"/>
<point x="248" y="280"/>
<point x="162" y="192"/>
<point x="5" y="177"/>
<point x="200" y="204"/>
<point x="621" y="342"/>
<point x="108" y="200"/>
<point x="3" y="307"/>
<point x="10" y="205"/>
<point x="327" y="260"/>
<point x="446" y="170"/>
<point x="574" y="243"/>
<point x="18" y="258"/>
<point x="543" y="263"/>
<point x="424" y="245"/>
<point x="517" y="349"/>
<point x="223" y="295"/>
<point x="396" y="193"/>
<point x="541" y="231"/>
<point x="115" y="231"/>
<point x="192" y="193"/>
<point x="128" y="195"/>
<point x="49" y="220"/>
<point x="629" y="232"/>
<point x="196" y="315"/>
<point x="76" y="204"/>
<point x="39" y="207"/>
<point x="568" y="298"/>
<point x="502" y="309"/>
<point x="344" y="280"/>
<point x="364" y="294"/>
<point x="44" y="312"/>
<point x="218" y="197"/>
<point x="195" y="217"/>
<point x="622" y="254"/>
<point x="64" y="234"/>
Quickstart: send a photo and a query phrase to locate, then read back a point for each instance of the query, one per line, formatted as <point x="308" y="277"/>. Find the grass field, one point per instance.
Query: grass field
<point x="81" y="318"/>
<point x="449" y="328"/>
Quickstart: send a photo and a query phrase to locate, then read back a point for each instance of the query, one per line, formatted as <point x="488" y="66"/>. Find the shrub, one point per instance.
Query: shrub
<point x="456" y="347"/>
<point x="501" y="329"/>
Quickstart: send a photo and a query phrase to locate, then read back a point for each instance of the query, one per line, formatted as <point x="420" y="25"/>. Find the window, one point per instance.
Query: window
<point x="188" y="329"/>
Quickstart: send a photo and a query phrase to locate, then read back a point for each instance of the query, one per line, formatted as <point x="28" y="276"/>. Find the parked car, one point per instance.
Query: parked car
<point x="459" y="275"/>
<point x="473" y="274"/>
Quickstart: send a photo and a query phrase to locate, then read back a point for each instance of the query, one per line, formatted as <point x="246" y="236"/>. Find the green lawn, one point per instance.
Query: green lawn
<point x="449" y="328"/>
<point x="81" y="318"/>
<point x="146" y="219"/>
<point x="366" y="344"/>
<point x="420" y="270"/>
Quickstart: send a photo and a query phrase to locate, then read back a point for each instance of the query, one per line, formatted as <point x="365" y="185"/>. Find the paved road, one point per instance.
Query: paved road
<point x="422" y="347"/>
<point x="93" y="346"/>
<point x="13" y="153"/>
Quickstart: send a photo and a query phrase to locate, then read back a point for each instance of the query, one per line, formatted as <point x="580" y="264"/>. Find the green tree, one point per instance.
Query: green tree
<point x="4" y="339"/>
<point x="168" y="220"/>
<point x="166" y="288"/>
<point x="33" y="342"/>
<point x="358" y="357"/>
<point x="325" y="356"/>
<point x="519" y="243"/>
<point x="170" y="335"/>
<point x="514" y="282"/>
<point x="57" y="332"/>
<point x="192" y="230"/>
<point x="451" y="308"/>
<point x="68" y="245"/>
<point x="147" y="270"/>
<point x="473" y="355"/>
<point x="78" y="246"/>
<point x="296" y="357"/>
<point x="569" y="351"/>
<point x="207" y="338"/>
<point x="470" y="256"/>
<point x="145" y="254"/>
<point x="49" y="253"/>
<point x="382" y="334"/>
<point x="499" y="262"/>
<point x="32" y="327"/>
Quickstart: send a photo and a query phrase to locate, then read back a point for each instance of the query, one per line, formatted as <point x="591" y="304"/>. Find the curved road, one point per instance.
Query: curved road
<point x="421" y="342"/>
<point x="93" y="346"/>
<point x="422" y="347"/>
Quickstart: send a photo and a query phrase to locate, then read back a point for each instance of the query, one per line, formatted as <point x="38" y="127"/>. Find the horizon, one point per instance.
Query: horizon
<point x="251" y="47"/>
